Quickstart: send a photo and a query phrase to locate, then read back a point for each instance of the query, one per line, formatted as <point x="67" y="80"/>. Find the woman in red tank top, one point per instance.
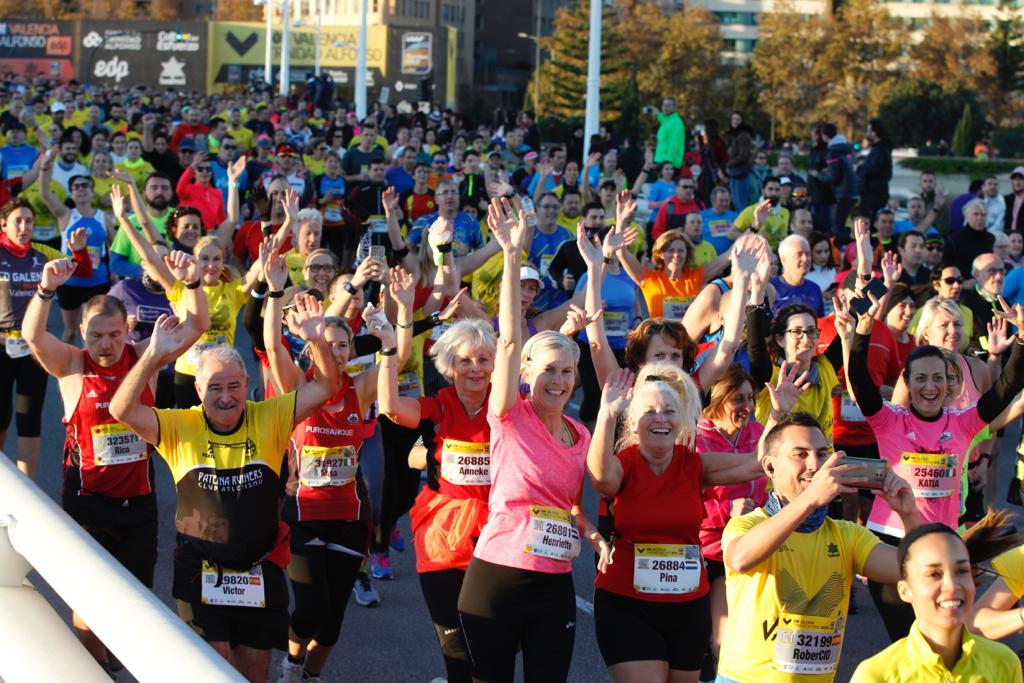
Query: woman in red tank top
<point x="450" y="512"/>
<point x="326" y="503"/>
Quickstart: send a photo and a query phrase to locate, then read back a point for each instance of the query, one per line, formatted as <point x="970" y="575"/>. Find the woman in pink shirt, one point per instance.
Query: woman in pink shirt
<point x="518" y="590"/>
<point x="926" y="442"/>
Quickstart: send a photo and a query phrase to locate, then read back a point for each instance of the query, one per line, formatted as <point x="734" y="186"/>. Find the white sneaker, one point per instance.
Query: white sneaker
<point x="290" y="673"/>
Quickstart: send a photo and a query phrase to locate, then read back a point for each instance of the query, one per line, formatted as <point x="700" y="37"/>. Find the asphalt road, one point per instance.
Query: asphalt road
<point x="395" y="642"/>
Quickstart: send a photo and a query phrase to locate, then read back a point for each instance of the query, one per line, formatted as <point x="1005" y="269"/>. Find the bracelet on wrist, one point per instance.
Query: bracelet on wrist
<point x="275" y="294"/>
<point x="435" y="318"/>
<point x="348" y="287"/>
<point x="607" y="260"/>
<point x="44" y="294"/>
<point x="194" y="285"/>
<point x="389" y="352"/>
<point x="405" y="327"/>
<point x="445" y="248"/>
<point x="258" y="295"/>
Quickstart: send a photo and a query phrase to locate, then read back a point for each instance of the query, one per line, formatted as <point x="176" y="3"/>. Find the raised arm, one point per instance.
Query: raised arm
<point x="183" y="268"/>
<point x="226" y="230"/>
<point x="151" y="261"/>
<point x="1011" y="381"/>
<point x="510" y="234"/>
<point x="307" y="319"/>
<point x="748" y="551"/>
<point x="56" y="357"/>
<point x="138" y="206"/>
<point x="745" y="254"/>
<point x="604" y="468"/>
<point x="53" y="203"/>
<point x="855" y="352"/>
<point x="593" y="254"/>
<point x="286" y="375"/>
<point x="168" y="341"/>
<point x="995" y="614"/>
<point x="625" y="209"/>
<point x="368" y="270"/>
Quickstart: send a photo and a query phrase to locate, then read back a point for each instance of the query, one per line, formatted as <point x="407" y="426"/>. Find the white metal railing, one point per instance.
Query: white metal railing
<point x="35" y="643"/>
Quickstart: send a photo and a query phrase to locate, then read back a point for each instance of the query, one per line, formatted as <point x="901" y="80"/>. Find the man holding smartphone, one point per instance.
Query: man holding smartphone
<point x="789" y="583"/>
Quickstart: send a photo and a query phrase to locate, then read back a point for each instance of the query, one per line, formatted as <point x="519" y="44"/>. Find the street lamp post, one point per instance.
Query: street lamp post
<point x="268" y="52"/>
<point x="361" y="65"/>
<point x="593" y="116"/>
<point x="536" y="56"/>
<point x="285" y="57"/>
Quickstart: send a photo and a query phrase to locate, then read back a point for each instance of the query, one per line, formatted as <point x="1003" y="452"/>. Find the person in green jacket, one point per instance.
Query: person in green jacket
<point x="671" y="134"/>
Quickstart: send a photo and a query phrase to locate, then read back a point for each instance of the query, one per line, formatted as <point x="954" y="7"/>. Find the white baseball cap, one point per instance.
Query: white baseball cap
<point x="530" y="273"/>
<point x="1017" y="171"/>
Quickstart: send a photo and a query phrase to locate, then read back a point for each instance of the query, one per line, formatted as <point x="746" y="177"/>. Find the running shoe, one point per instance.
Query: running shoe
<point x="380" y="566"/>
<point x="397" y="541"/>
<point x="290" y="672"/>
<point x="366" y="595"/>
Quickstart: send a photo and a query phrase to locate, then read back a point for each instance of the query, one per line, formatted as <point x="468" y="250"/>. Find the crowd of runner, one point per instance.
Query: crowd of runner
<point x="789" y="382"/>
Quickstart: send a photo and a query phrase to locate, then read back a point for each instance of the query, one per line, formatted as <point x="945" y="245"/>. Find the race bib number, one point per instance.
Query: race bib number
<point x="849" y="410"/>
<point x="378" y="224"/>
<point x="719" y="228"/>
<point x="674" y="307"/>
<point x="205" y="343"/>
<point x="616" y="323"/>
<point x="931" y="475"/>
<point x="409" y="385"/>
<point x="115" y="444"/>
<point x="466" y="464"/>
<point x="666" y="569"/>
<point x="233" y="589"/>
<point x="552" y="534"/>
<point x="807" y="645"/>
<point x="323" y="466"/>
<point x="43" y="233"/>
<point x="15" y="345"/>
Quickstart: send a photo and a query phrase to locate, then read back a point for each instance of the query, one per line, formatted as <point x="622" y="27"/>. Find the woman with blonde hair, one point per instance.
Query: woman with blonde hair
<point x="518" y="591"/>
<point x="652" y="612"/>
<point x="450" y="511"/>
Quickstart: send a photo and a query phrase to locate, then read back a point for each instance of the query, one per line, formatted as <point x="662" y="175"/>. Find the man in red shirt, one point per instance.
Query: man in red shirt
<point x="202" y="194"/>
<point x="672" y="213"/>
<point x="189" y="128"/>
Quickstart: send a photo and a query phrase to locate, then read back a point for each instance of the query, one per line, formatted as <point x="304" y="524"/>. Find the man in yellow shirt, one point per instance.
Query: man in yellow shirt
<point x="242" y="135"/>
<point x="788" y="585"/>
<point x="225" y="456"/>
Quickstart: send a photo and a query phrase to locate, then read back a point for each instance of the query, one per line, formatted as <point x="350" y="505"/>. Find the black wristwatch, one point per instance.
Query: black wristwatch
<point x="275" y="294"/>
<point x="349" y="288"/>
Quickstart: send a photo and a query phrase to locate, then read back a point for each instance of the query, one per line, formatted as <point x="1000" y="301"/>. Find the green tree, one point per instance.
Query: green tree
<point x="238" y="10"/>
<point x="918" y="111"/>
<point x="1006" y="48"/>
<point x="564" y="76"/>
<point x="963" y="142"/>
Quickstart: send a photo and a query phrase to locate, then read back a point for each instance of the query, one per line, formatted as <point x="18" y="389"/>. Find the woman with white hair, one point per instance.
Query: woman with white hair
<point x="307" y="230"/>
<point x="450" y="511"/>
<point x="518" y="591"/>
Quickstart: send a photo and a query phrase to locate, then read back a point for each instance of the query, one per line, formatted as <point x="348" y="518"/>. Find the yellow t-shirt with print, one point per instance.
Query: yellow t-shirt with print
<point x="296" y="263"/>
<point x="788" y="615"/>
<point x="45" y="228"/>
<point x="243" y="136"/>
<point x="224" y="300"/>
<point x="817" y="400"/>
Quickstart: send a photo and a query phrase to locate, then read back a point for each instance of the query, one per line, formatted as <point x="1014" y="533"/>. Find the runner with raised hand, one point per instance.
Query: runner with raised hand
<point x="326" y="504"/>
<point x="225" y="457"/>
<point x="108" y="471"/>
<point x="518" y="590"/>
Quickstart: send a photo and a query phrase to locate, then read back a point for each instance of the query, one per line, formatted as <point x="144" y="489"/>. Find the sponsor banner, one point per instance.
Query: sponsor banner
<point x="31" y="48"/>
<point x="237" y="52"/>
<point x="417" y="53"/>
<point x="160" y="54"/>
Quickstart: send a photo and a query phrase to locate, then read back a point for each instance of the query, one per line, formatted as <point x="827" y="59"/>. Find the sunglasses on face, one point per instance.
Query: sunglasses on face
<point x="203" y="169"/>
<point x="953" y="280"/>
<point x="229" y="148"/>
<point x="81" y="186"/>
<point x="686" y="187"/>
<point x="933" y="247"/>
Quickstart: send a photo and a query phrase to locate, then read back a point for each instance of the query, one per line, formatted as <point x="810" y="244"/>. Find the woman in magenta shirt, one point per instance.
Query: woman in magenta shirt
<point x="518" y="590"/>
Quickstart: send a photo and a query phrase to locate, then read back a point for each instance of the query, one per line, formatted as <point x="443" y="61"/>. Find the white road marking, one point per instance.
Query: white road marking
<point x="584" y="605"/>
